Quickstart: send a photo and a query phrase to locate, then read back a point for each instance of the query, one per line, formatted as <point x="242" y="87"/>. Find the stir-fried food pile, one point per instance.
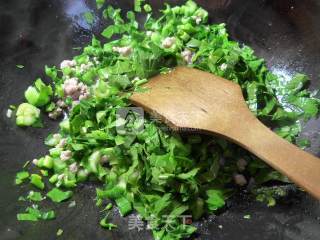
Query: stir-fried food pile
<point x="144" y="167"/>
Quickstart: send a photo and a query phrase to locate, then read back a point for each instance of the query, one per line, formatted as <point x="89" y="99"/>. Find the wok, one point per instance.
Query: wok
<point x="39" y="32"/>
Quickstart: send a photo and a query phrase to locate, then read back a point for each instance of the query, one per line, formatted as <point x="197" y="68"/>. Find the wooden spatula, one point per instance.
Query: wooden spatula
<point x="191" y="99"/>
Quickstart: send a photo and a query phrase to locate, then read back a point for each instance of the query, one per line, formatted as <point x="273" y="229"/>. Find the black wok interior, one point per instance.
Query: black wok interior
<point x="36" y="33"/>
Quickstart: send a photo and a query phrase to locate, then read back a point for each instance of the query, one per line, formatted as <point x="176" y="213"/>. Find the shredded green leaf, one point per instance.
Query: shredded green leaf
<point x="215" y="200"/>
<point x="35" y="196"/>
<point x="36" y="180"/>
<point x="21" y="177"/>
<point x="34" y="214"/>
<point x="56" y="195"/>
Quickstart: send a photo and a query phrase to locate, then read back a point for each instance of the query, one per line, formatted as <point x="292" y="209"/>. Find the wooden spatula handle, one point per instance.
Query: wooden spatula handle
<point x="300" y="166"/>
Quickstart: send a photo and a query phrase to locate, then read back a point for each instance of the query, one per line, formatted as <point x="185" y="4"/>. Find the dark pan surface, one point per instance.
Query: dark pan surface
<point x="39" y="32"/>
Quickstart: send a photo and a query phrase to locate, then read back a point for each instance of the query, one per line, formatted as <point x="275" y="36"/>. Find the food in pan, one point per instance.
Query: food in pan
<point x="165" y="177"/>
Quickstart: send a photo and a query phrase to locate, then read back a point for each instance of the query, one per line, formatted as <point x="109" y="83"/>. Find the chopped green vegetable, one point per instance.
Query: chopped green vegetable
<point x="109" y="206"/>
<point x="50" y="107"/>
<point x="35" y="196"/>
<point x="124" y="206"/>
<point x="269" y="195"/>
<point x="147" y="8"/>
<point x="215" y="199"/>
<point x="21" y="177"/>
<point x="36" y="180"/>
<point x="12" y="107"/>
<point x="100" y="3"/>
<point x="105" y="224"/>
<point x="27" y="115"/>
<point x="27" y="217"/>
<point x="56" y="195"/>
<point x="34" y="214"/>
<point x="137" y="5"/>
<point x="89" y="17"/>
<point x="19" y="66"/>
<point x="247" y="216"/>
<point x="39" y="95"/>
<point x="59" y="232"/>
<point x="44" y="173"/>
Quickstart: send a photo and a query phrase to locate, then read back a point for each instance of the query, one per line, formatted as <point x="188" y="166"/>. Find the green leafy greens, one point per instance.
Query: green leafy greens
<point x="36" y="180"/>
<point x="21" y="177"/>
<point x="34" y="214"/>
<point x="56" y="195"/>
<point x="39" y="95"/>
<point x="35" y="196"/>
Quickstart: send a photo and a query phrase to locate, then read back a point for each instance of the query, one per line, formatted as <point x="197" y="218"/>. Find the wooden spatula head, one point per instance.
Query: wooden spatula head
<point x="188" y="98"/>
